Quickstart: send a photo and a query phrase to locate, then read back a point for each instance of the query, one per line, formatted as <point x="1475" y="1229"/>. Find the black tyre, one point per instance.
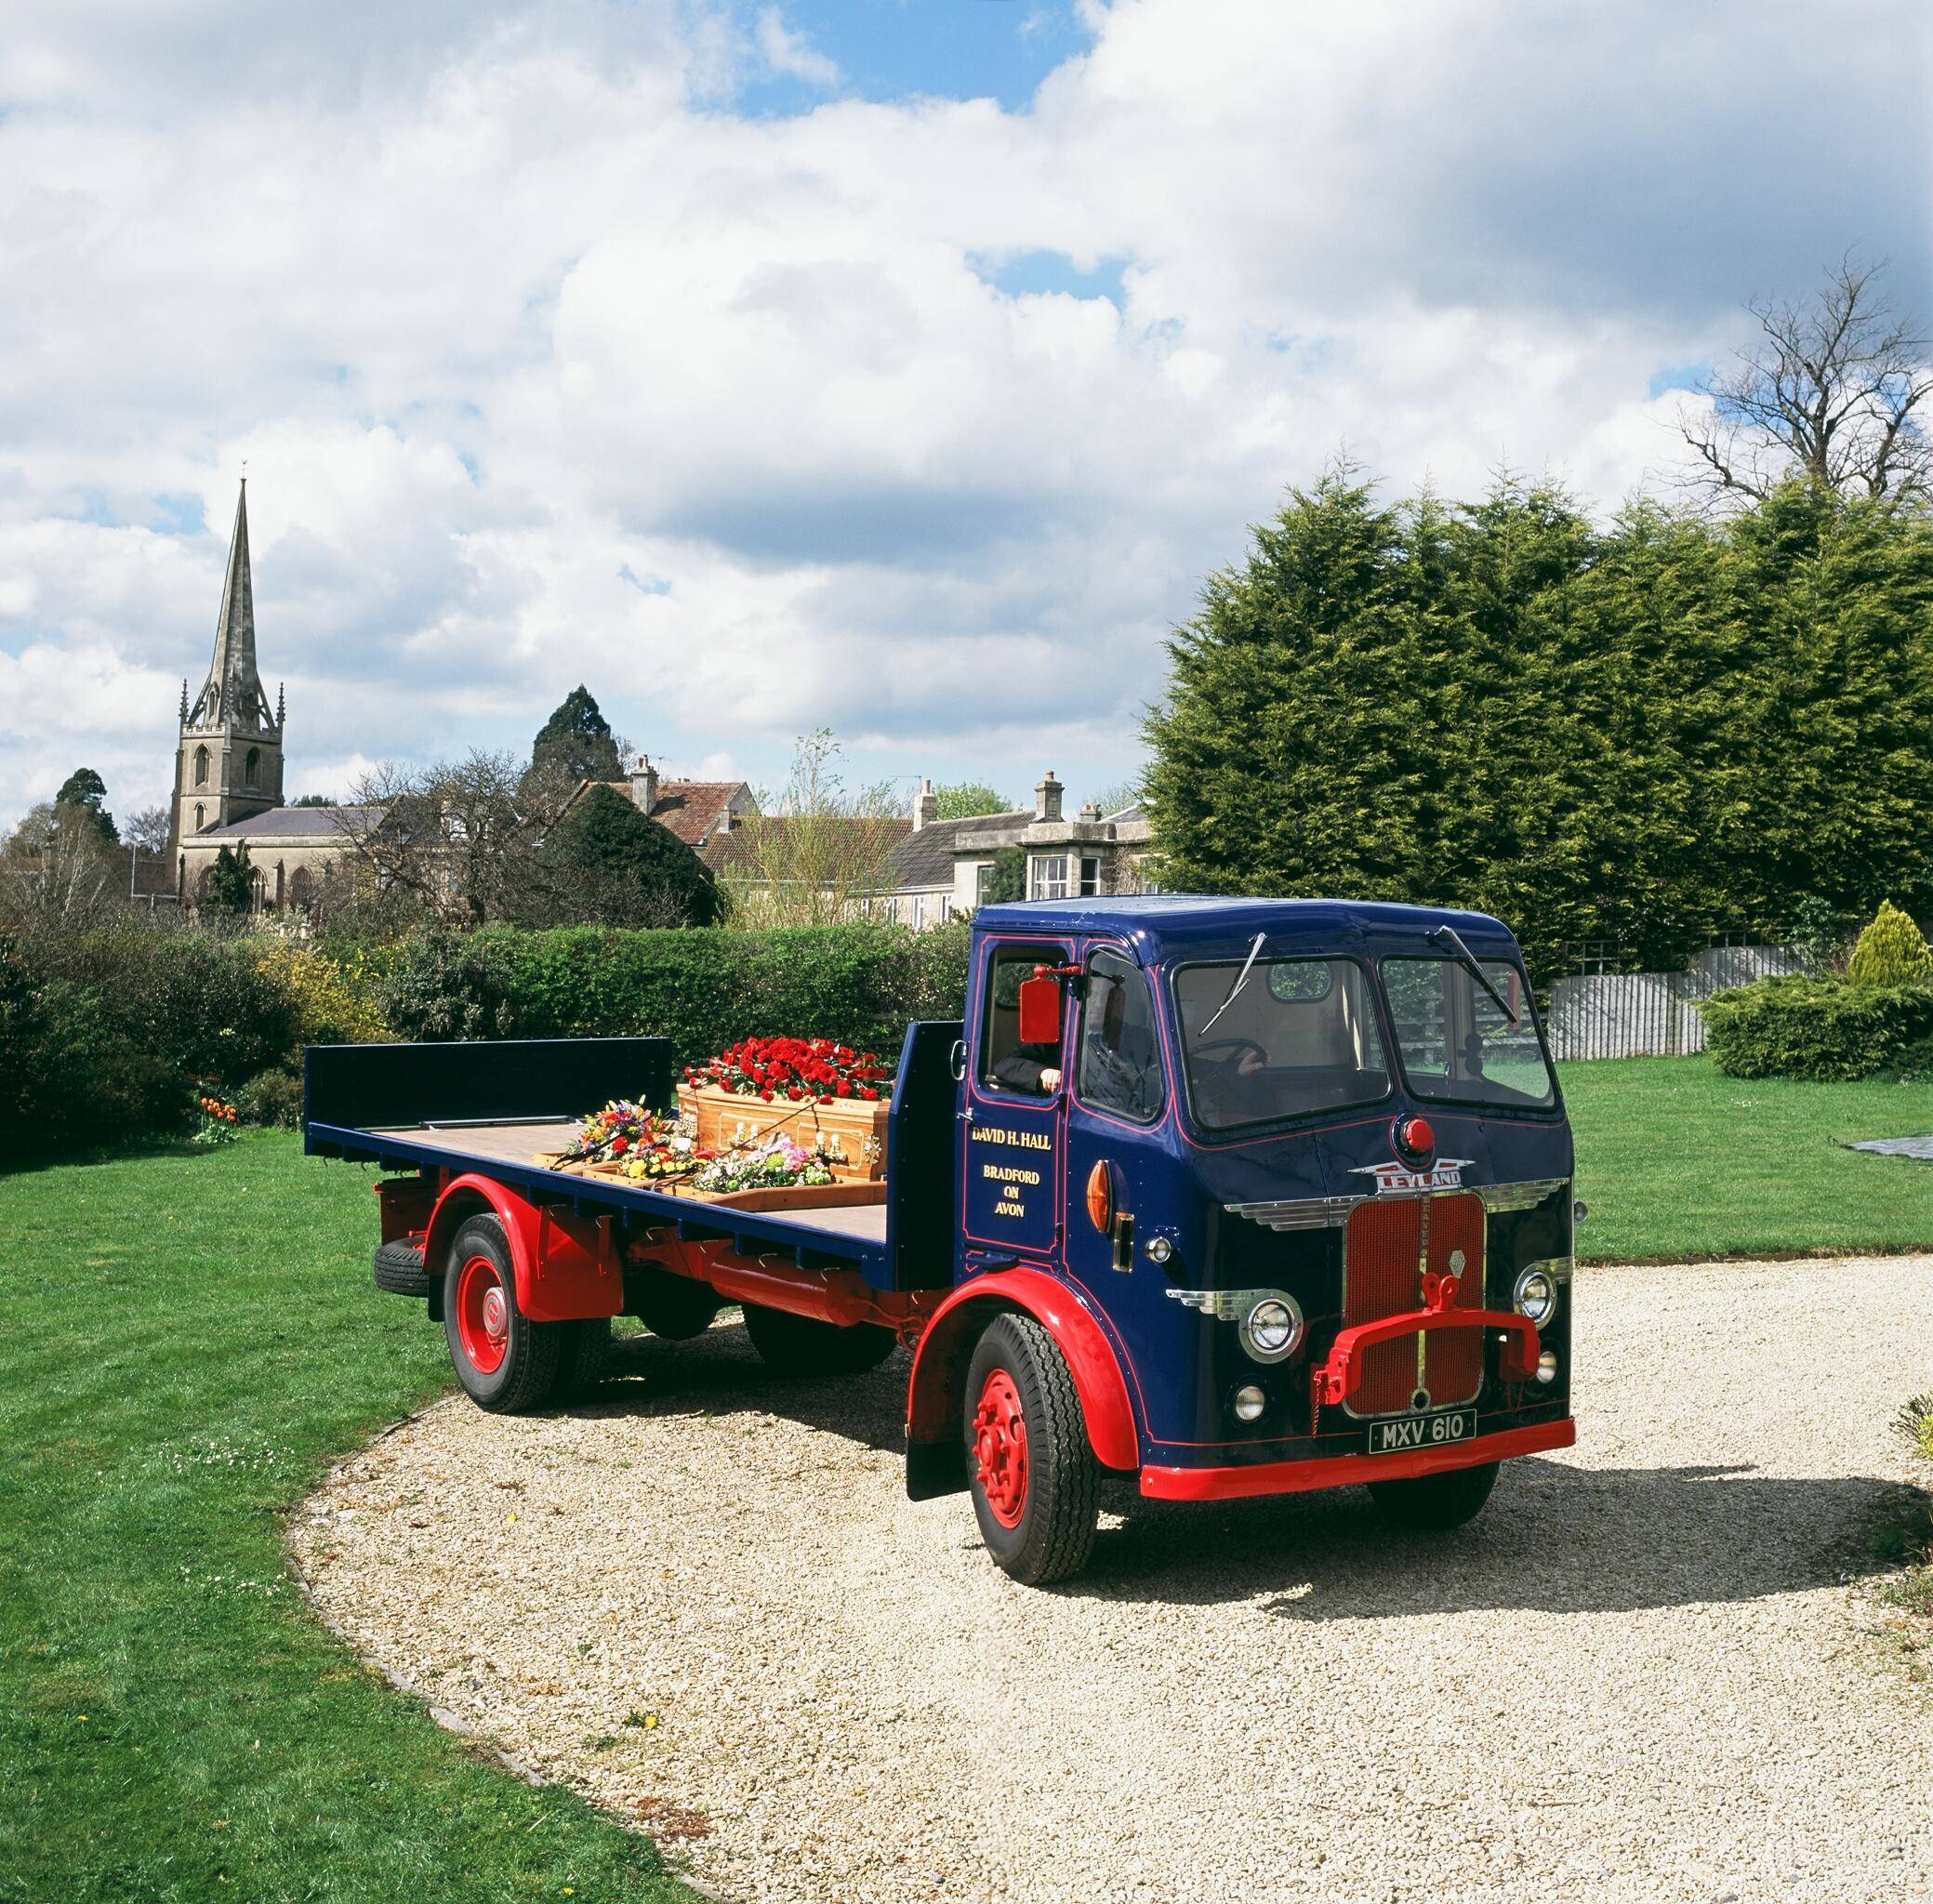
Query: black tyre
<point x="504" y="1360"/>
<point x="677" y="1307"/>
<point x="1435" y="1503"/>
<point x="584" y="1360"/>
<point x="1030" y="1470"/>
<point x="796" y="1346"/>
<point x="398" y="1269"/>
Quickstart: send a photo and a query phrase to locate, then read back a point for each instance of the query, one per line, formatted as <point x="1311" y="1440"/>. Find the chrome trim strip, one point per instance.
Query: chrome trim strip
<point x="1558" y="1268"/>
<point x="1332" y="1212"/>
<point x="1499" y="1199"/>
<point x="1299" y="1212"/>
<point x="1231" y="1305"/>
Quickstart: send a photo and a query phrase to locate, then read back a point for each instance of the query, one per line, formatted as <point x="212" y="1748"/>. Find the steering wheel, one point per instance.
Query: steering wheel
<point x="1236" y="1048"/>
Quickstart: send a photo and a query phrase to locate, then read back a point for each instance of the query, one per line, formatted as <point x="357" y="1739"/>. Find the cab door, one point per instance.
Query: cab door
<point x="1013" y="1131"/>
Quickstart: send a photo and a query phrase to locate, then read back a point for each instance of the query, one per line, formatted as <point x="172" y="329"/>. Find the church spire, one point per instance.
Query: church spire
<point x="234" y="692"/>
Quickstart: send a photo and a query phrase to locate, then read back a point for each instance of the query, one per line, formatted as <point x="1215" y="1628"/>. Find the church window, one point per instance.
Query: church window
<point x="252" y="767"/>
<point x="198" y="819"/>
<point x="201" y="771"/>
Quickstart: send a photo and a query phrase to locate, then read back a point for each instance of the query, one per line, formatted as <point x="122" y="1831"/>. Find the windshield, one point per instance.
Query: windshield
<point x="1299" y="1035"/>
<point x="1455" y="1043"/>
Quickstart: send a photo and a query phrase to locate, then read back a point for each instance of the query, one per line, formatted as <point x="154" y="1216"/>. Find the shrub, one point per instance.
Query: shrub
<point x="273" y="1098"/>
<point x="1891" y="951"/>
<point x="1816" y="1028"/>
<point x="332" y="1000"/>
<point x="69" y="1075"/>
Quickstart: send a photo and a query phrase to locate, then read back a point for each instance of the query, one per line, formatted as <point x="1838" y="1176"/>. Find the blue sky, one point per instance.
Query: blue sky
<point x="894" y="366"/>
<point x="893" y="50"/>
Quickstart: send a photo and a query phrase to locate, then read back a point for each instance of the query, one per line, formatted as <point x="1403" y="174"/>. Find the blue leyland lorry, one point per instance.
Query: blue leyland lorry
<point x="1230" y="1196"/>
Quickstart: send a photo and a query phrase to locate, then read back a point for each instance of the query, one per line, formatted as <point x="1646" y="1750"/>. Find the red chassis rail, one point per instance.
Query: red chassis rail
<point x="840" y="1296"/>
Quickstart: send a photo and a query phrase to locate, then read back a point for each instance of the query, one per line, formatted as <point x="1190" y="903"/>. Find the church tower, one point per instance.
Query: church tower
<point x="229" y="762"/>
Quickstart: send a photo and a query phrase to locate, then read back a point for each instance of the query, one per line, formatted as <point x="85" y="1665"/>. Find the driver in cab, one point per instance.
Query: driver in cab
<point x="1035" y="1069"/>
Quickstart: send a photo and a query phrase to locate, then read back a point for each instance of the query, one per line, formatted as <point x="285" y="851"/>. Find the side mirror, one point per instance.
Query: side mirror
<point x="1039" y="1011"/>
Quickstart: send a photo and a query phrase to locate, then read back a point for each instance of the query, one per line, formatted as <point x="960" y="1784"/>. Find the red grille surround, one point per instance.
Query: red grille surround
<point x="1387" y="1246"/>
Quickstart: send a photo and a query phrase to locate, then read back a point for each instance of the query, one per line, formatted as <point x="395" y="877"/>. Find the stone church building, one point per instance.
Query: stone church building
<point x="228" y="792"/>
<point x="228" y="765"/>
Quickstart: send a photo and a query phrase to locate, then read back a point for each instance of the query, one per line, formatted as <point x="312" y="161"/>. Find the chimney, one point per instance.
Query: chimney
<point x="1047" y="797"/>
<point x="926" y="809"/>
<point x="644" y="785"/>
<point x="1091" y="815"/>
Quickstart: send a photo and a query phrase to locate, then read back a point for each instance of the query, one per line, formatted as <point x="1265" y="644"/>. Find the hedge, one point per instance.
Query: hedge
<point x="103" y="1034"/>
<point x="1818" y="1028"/>
<point x="703" y="990"/>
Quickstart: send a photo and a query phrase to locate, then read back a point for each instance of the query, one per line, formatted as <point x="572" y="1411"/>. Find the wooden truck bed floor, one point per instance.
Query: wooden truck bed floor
<point x="520" y="1144"/>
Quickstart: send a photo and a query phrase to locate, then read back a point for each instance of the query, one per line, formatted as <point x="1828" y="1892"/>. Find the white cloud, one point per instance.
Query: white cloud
<point x="792" y="53"/>
<point x="506" y="304"/>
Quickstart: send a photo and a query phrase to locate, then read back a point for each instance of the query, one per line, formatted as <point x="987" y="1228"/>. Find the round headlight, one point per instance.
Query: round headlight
<point x="1159" y="1248"/>
<point x="1250" y="1402"/>
<point x="1536" y="1295"/>
<point x="1271" y="1328"/>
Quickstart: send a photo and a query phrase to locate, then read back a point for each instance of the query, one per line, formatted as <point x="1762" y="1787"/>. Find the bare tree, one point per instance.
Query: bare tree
<point x="148" y="831"/>
<point x="453" y="836"/>
<point x="1834" y="392"/>
<point x="820" y="852"/>
<point x="56" y="870"/>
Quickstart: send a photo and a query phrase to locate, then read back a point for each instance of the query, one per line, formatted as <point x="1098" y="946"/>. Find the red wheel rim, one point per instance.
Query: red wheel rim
<point x="999" y="1448"/>
<point x="483" y="1314"/>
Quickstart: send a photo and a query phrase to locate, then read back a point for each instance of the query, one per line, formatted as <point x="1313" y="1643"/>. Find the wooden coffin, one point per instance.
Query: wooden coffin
<point x="851" y="1131"/>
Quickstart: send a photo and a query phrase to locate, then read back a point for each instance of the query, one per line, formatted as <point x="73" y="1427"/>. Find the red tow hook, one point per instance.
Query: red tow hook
<point x="1331" y="1381"/>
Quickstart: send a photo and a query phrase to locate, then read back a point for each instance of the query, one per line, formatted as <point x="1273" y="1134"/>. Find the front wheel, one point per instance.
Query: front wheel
<point x="1434" y="1502"/>
<point x="504" y="1360"/>
<point x="1033" y="1475"/>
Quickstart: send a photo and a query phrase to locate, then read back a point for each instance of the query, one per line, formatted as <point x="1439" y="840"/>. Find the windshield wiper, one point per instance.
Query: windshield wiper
<point x="1241" y="978"/>
<point x="1467" y="959"/>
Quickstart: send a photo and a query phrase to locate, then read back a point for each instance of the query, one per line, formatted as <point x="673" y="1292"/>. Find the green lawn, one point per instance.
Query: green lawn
<point x="1678" y="1161"/>
<point x="190" y="1336"/>
<point x="187" y="1339"/>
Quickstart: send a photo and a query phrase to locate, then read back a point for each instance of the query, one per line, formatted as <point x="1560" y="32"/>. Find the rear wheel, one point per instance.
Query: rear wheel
<point x="503" y="1359"/>
<point x="584" y="1359"/>
<point x="1437" y="1501"/>
<point x="677" y="1307"/>
<point x="1032" y="1474"/>
<point x="798" y="1345"/>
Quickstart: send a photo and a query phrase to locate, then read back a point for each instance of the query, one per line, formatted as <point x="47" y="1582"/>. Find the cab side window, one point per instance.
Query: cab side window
<point x="1119" y="1068"/>
<point x="1005" y="1062"/>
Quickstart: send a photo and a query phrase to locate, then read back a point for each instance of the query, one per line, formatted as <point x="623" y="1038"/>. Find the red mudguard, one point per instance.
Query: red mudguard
<point x="937" y="1390"/>
<point x="565" y="1265"/>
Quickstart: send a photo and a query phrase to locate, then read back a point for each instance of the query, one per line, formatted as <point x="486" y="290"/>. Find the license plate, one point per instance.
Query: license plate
<point x="1421" y="1430"/>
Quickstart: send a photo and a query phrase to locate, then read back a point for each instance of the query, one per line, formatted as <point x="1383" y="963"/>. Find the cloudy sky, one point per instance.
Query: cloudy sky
<point x="897" y="367"/>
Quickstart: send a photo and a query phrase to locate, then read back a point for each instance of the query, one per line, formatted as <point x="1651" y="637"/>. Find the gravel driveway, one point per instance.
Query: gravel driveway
<point x="707" y="1603"/>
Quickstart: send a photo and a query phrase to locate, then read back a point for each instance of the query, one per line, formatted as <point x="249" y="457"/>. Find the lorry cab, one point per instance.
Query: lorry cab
<point x="1297" y="1172"/>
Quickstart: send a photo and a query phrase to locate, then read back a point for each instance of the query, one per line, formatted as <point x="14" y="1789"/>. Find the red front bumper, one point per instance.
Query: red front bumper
<point x="1347" y="1470"/>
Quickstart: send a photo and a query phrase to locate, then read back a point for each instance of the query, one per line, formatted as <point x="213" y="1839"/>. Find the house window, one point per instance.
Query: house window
<point x="918" y="911"/>
<point x="201" y="769"/>
<point x="1090" y="876"/>
<point x="1050" y="875"/>
<point x="983" y="882"/>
